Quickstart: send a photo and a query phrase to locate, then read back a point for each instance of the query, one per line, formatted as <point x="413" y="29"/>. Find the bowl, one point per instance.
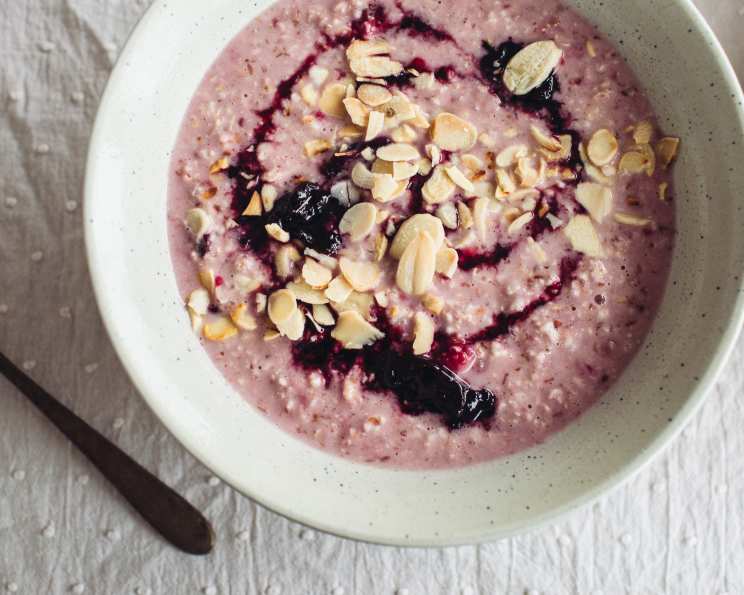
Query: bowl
<point x="696" y="94"/>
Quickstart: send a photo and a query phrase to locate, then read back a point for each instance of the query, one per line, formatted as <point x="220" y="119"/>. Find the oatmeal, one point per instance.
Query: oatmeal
<point x="421" y="241"/>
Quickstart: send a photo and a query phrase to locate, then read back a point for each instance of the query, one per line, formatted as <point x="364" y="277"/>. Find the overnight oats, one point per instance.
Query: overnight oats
<point x="418" y="240"/>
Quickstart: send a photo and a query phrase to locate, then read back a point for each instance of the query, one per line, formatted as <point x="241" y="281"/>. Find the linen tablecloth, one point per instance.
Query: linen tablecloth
<point x="677" y="528"/>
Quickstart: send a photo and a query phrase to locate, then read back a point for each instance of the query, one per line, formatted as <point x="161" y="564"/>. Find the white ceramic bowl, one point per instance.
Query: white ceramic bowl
<point x="696" y="93"/>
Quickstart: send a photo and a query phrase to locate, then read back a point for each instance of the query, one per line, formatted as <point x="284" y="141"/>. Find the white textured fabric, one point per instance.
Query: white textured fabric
<point x="677" y="528"/>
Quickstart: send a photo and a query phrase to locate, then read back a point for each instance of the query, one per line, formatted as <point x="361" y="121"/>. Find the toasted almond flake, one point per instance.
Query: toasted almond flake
<point x="315" y="274"/>
<point x="592" y="171"/>
<point x="373" y="95"/>
<point x="375" y="67"/>
<point x="596" y="199"/>
<point x="583" y="237"/>
<point x="316" y="147"/>
<point x="198" y="222"/>
<point x="382" y="215"/>
<point x="421" y="120"/>
<point x="446" y="262"/>
<point x="505" y="180"/>
<point x="434" y="153"/>
<point x="663" y="187"/>
<point x="220" y="329"/>
<point x="399" y="109"/>
<point x="331" y="100"/>
<point x="439" y="187"/>
<point x="487" y="140"/>
<point x="423" y="330"/>
<point x="527" y="175"/>
<point x="338" y="290"/>
<point x="261" y="302"/>
<point x="282" y="304"/>
<point x="424" y="81"/>
<point x="459" y="178"/>
<point x="424" y="166"/>
<point x="480" y="209"/>
<point x="242" y="319"/>
<point x="381" y="246"/>
<point x="590" y="49"/>
<point x="411" y="227"/>
<point x="362" y="177"/>
<point x="509" y="156"/>
<point x="350" y="131"/>
<point x="546" y="141"/>
<point x="643" y="133"/>
<point x="269" y="195"/>
<point x="398" y="152"/>
<point x="354" y="332"/>
<point x="323" y="315"/>
<point x="633" y="162"/>
<point x="327" y="261"/>
<point x="472" y="162"/>
<point x="306" y="294"/>
<point x="519" y="223"/>
<point x="602" y="147"/>
<point x="452" y="133"/>
<point x="309" y="95"/>
<point x="465" y="215"/>
<point x="198" y="301"/>
<point x="284" y="259"/>
<point x="275" y="231"/>
<point x="350" y="90"/>
<point x="255" y="206"/>
<point x="485" y="190"/>
<point x="632" y="220"/>
<point x="382" y="167"/>
<point x="357" y="111"/>
<point x="220" y="165"/>
<point x="362" y="276"/>
<point x="667" y="149"/>
<point x="197" y="321"/>
<point x="357" y="302"/>
<point x="402" y="170"/>
<point x="359" y="221"/>
<point x="207" y="279"/>
<point x="561" y="155"/>
<point x="318" y="75"/>
<point x="375" y="125"/>
<point x="433" y="303"/>
<point x="361" y="48"/>
<point x="293" y="328"/>
<point x="384" y="187"/>
<point x="447" y="213"/>
<point x="208" y="194"/>
<point x="417" y="265"/>
<point x="404" y="134"/>
<point x="537" y="251"/>
<point x="271" y="335"/>
<point x="531" y="66"/>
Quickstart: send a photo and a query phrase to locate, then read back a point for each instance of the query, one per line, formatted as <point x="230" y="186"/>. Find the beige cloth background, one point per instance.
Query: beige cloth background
<point x="676" y="529"/>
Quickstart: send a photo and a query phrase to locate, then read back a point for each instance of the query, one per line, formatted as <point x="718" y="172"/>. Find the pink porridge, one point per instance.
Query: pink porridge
<point x="421" y="238"/>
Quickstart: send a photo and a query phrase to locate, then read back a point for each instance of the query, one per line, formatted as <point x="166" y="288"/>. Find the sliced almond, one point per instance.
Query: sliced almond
<point x="417" y="265"/>
<point x="269" y="195"/>
<point x="293" y="328"/>
<point x="509" y="156"/>
<point x="632" y="162"/>
<point x="465" y="215"/>
<point x="505" y="180"/>
<point x="447" y="214"/>
<point x="381" y="246"/>
<point x="331" y="100"/>
<point x="327" y="261"/>
<point x="384" y="187"/>
<point x="198" y="222"/>
<point x="446" y="262"/>
<point x="362" y="177"/>
<point x="282" y="304"/>
<point x="487" y="140"/>
<point x="411" y="227"/>
<point x="276" y="232"/>
<point x="323" y="315"/>
<point x="421" y="120"/>
<point x="667" y="149"/>
<point x="548" y="142"/>
<point x="199" y="301"/>
<point x="592" y="171"/>
<point x="375" y="67"/>
<point x="261" y="302"/>
<point x="350" y="131"/>
<point x="663" y="187"/>
<point x="423" y="330"/>
<point x="471" y="162"/>
<point x="596" y="199"/>
<point x="563" y="153"/>
<point x="434" y="153"/>
<point x="480" y="209"/>
<point x="403" y="134"/>
<point x="220" y="329"/>
<point x="220" y="165"/>
<point x="373" y="95"/>
<point x="452" y="133"/>
<point x="382" y="167"/>
<point x="399" y="109"/>
<point x="602" y="147"/>
<point x="632" y="220"/>
<point x="353" y="332"/>
<point x="402" y="170"/>
<point x="519" y="223"/>
<point x="271" y="335"/>
<point x="358" y="112"/>
<point x="375" y="125"/>
<point x="527" y="175"/>
<point x="459" y="178"/>
<point x="317" y="147"/>
<point x="242" y="319"/>
<point x="315" y="274"/>
<point x="309" y="95"/>
<point x="398" y="152"/>
<point x="361" y="275"/>
<point x="306" y="294"/>
<point x="537" y="251"/>
<point x="439" y="187"/>
<point x="318" y="75"/>
<point x="643" y="133"/>
<point x="590" y="49"/>
<point x="360" y="48"/>
<point x="359" y="221"/>
<point x="284" y="259"/>
<point x="433" y="303"/>
<point x="424" y="166"/>
<point x="338" y="290"/>
<point x="208" y="280"/>
<point x="381" y="298"/>
<point x="531" y="66"/>
<point x="358" y="302"/>
<point x="583" y="237"/>
<point x="197" y="322"/>
<point x="255" y="206"/>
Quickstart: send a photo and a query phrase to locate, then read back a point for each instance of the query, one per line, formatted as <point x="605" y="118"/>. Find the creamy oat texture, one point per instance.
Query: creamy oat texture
<point x="538" y="256"/>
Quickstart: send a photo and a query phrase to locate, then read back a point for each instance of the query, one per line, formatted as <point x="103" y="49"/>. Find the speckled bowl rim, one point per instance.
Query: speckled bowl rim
<point x="97" y="267"/>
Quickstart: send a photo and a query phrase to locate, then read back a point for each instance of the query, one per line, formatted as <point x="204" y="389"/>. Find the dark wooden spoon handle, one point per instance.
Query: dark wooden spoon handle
<point x="168" y="513"/>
